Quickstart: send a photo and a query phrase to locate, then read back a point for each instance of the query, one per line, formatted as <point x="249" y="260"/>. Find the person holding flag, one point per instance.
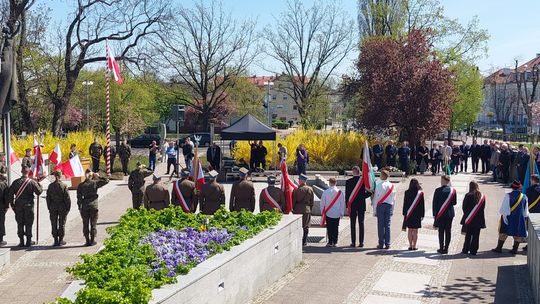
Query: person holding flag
<point x="383" y="207"/>
<point x="473" y="219"/>
<point x="355" y="195"/>
<point x="302" y="202"/>
<point x="413" y="212"/>
<point x="444" y="201"/>
<point x="332" y="209"/>
<point x="514" y="212"/>
<point x="27" y="159"/>
<point x="271" y="197"/>
<point x="184" y="193"/>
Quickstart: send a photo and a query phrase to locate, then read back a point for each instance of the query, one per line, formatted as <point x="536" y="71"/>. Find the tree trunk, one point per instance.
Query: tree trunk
<point x="449" y="135"/>
<point x="61" y="103"/>
<point x="205" y="119"/>
<point x="28" y="124"/>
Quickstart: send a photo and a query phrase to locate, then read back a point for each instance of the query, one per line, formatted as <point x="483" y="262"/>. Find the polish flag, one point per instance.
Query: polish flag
<point x="368" y="175"/>
<point x="12" y="156"/>
<point x="198" y="178"/>
<point x="72" y="167"/>
<point x="37" y="166"/>
<point x="56" y="155"/>
<point x="112" y="65"/>
<point x="287" y="186"/>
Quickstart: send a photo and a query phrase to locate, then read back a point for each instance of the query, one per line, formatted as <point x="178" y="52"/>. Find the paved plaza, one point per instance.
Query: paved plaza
<point x="327" y="275"/>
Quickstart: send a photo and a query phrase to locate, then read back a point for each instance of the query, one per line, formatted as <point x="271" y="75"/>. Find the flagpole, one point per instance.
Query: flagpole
<point x="108" y="102"/>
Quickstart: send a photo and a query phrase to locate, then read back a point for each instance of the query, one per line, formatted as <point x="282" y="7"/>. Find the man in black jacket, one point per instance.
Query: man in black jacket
<point x="444" y="201"/>
<point x="522" y="161"/>
<point x="355" y="197"/>
<point x="475" y="156"/>
<point x="485" y="155"/>
<point x="213" y="155"/>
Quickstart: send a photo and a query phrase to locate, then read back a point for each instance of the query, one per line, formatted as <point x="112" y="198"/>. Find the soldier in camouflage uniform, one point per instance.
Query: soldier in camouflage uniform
<point x="136" y="184"/>
<point x="27" y="159"/>
<point x="95" y="150"/>
<point x="4" y="204"/>
<point x="59" y="204"/>
<point x="87" y="200"/>
<point x="21" y="199"/>
<point x="124" y="152"/>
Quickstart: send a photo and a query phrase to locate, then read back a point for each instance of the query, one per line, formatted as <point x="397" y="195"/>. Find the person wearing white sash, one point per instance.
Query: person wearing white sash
<point x="332" y="209"/>
<point x="473" y="219"/>
<point x="413" y="212"/>
<point x="272" y="197"/>
<point x="444" y="201"/>
<point x="184" y="193"/>
<point x="355" y="196"/>
<point x="383" y="207"/>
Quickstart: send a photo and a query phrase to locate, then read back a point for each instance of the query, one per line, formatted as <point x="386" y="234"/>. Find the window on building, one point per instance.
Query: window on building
<point x="274" y="116"/>
<point x="285" y="97"/>
<point x="274" y="97"/>
<point x="295" y="108"/>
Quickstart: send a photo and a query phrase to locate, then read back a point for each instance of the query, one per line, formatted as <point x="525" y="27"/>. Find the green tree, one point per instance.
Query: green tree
<point x="246" y="98"/>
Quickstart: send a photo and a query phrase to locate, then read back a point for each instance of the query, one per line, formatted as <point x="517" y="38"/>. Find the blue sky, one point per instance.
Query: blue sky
<point x="514" y="28"/>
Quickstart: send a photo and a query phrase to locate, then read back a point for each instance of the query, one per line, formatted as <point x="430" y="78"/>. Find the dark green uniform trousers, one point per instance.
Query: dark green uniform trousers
<point x="24" y="215"/>
<point x="89" y="216"/>
<point x="58" y="222"/>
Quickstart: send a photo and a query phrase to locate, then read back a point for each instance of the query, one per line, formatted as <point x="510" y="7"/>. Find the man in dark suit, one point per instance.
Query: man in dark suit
<point x="475" y="156"/>
<point x="391" y="152"/>
<point x="213" y="155"/>
<point x="444" y="201"/>
<point x="485" y="155"/>
<point x="355" y="197"/>
<point x="465" y="153"/>
<point x="522" y="161"/>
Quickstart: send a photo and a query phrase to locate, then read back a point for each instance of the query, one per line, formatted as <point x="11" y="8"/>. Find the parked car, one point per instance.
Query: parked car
<point x="205" y="139"/>
<point x="144" y="140"/>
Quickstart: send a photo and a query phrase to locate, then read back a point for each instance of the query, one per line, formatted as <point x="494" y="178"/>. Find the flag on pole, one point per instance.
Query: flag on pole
<point x="12" y="156"/>
<point x="112" y="65"/>
<point x="37" y="166"/>
<point x="198" y="177"/>
<point x="368" y="174"/>
<point x="527" y="179"/>
<point x="72" y="167"/>
<point x="287" y="185"/>
<point x="56" y="155"/>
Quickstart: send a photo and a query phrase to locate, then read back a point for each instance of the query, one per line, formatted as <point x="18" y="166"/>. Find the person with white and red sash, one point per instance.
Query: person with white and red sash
<point x="514" y="212"/>
<point x="413" y="212"/>
<point x="444" y="201"/>
<point x="21" y="199"/>
<point x="473" y="219"/>
<point x="332" y="209"/>
<point x="302" y="202"/>
<point x="184" y="193"/>
<point x="271" y="197"/>
<point x="355" y="196"/>
<point x="383" y="207"/>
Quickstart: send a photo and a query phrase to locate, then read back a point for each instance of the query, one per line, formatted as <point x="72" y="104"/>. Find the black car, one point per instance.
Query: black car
<point x="204" y="141"/>
<point x="144" y="140"/>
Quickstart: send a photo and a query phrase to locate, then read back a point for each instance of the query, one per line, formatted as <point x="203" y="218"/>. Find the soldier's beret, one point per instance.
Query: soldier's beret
<point x="213" y="174"/>
<point x="156" y="178"/>
<point x="243" y="171"/>
<point x="271" y="179"/>
<point x="303" y="177"/>
<point x="184" y="173"/>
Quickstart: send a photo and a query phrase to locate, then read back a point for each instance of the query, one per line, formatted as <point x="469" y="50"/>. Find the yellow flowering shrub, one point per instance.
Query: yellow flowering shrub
<point x="326" y="148"/>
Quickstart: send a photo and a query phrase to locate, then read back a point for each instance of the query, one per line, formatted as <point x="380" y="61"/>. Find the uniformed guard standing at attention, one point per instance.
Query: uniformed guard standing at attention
<point x="87" y="200"/>
<point x="59" y="204"/>
<point x="27" y="159"/>
<point x="212" y="195"/>
<point x="21" y="198"/>
<point x="302" y="203"/>
<point x="184" y="193"/>
<point x="272" y="197"/>
<point x="136" y="184"/>
<point x="124" y="152"/>
<point x="156" y="196"/>
<point x="95" y="150"/>
<point x="4" y="204"/>
<point x="242" y="193"/>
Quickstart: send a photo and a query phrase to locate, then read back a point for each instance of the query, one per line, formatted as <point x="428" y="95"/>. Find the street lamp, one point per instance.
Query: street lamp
<point x="268" y="98"/>
<point x="87" y="84"/>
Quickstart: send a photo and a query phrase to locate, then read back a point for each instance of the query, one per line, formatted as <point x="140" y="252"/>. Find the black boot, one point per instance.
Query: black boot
<point x="28" y="242"/>
<point x="515" y="247"/>
<point x="21" y="241"/>
<point x="2" y="242"/>
<point x="87" y="240"/>
<point x="498" y="249"/>
<point x="92" y="240"/>
<point x="56" y="243"/>
<point x="61" y="241"/>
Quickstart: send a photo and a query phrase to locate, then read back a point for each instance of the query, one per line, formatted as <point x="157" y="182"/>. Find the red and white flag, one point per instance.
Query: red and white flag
<point x="287" y="186"/>
<point x="198" y="176"/>
<point x="368" y="175"/>
<point x="37" y="166"/>
<point x="112" y="65"/>
<point x="72" y="167"/>
<point x="56" y="155"/>
<point x="12" y="156"/>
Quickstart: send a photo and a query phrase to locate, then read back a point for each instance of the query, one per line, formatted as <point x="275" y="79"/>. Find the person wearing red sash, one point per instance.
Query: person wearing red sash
<point x="444" y="201"/>
<point x="355" y="196"/>
<point x="187" y="193"/>
<point x="272" y="197"/>
<point x="383" y="207"/>
<point x="413" y="211"/>
<point x="302" y="202"/>
<point x="473" y="219"/>
<point x="332" y="209"/>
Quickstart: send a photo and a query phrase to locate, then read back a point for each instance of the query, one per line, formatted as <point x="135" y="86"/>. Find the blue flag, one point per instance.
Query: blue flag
<point x="527" y="179"/>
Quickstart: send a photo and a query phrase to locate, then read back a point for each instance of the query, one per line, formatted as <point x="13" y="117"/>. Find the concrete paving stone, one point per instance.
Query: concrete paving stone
<point x="374" y="299"/>
<point x="417" y="257"/>
<point x="400" y="282"/>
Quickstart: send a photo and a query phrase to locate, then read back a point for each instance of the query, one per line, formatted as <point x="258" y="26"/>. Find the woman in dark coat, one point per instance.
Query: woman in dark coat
<point x="413" y="211"/>
<point x="473" y="218"/>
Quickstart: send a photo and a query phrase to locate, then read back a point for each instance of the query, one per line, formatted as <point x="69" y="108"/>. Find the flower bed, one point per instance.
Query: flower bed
<point x="147" y="249"/>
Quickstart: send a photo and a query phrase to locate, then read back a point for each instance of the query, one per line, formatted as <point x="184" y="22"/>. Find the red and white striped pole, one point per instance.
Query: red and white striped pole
<point x="108" y="105"/>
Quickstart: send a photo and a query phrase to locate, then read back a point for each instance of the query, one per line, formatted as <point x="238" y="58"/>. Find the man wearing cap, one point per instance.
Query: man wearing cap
<point x="242" y="193"/>
<point x="184" y="193"/>
<point x="355" y="196"/>
<point x="21" y="199"/>
<point x="59" y="204"/>
<point x="124" y="152"/>
<point x="4" y="204"/>
<point x="95" y="151"/>
<point x="272" y="197"/>
<point x="383" y="202"/>
<point x="302" y="201"/>
<point x="514" y="212"/>
<point x="27" y="159"/>
<point x="156" y="196"/>
<point x="444" y="201"/>
<point x="332" y="209"/>
<point x="212" y="195"/>
<point x="136" y="184"/>
<point x="87" y="201"/>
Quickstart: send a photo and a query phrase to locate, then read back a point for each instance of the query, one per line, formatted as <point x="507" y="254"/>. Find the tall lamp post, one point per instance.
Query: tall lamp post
<point x="268" y="98"/>
<point x="87" y="84"/>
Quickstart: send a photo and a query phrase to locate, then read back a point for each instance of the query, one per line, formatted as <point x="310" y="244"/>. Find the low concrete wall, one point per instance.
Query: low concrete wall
<point x="533" y="255"/>
<point x="237" y="275"/>
<point x="4" y="257"/>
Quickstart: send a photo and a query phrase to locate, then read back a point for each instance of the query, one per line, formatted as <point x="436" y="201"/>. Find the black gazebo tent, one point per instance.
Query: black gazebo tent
<point x="248" y="128"/>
